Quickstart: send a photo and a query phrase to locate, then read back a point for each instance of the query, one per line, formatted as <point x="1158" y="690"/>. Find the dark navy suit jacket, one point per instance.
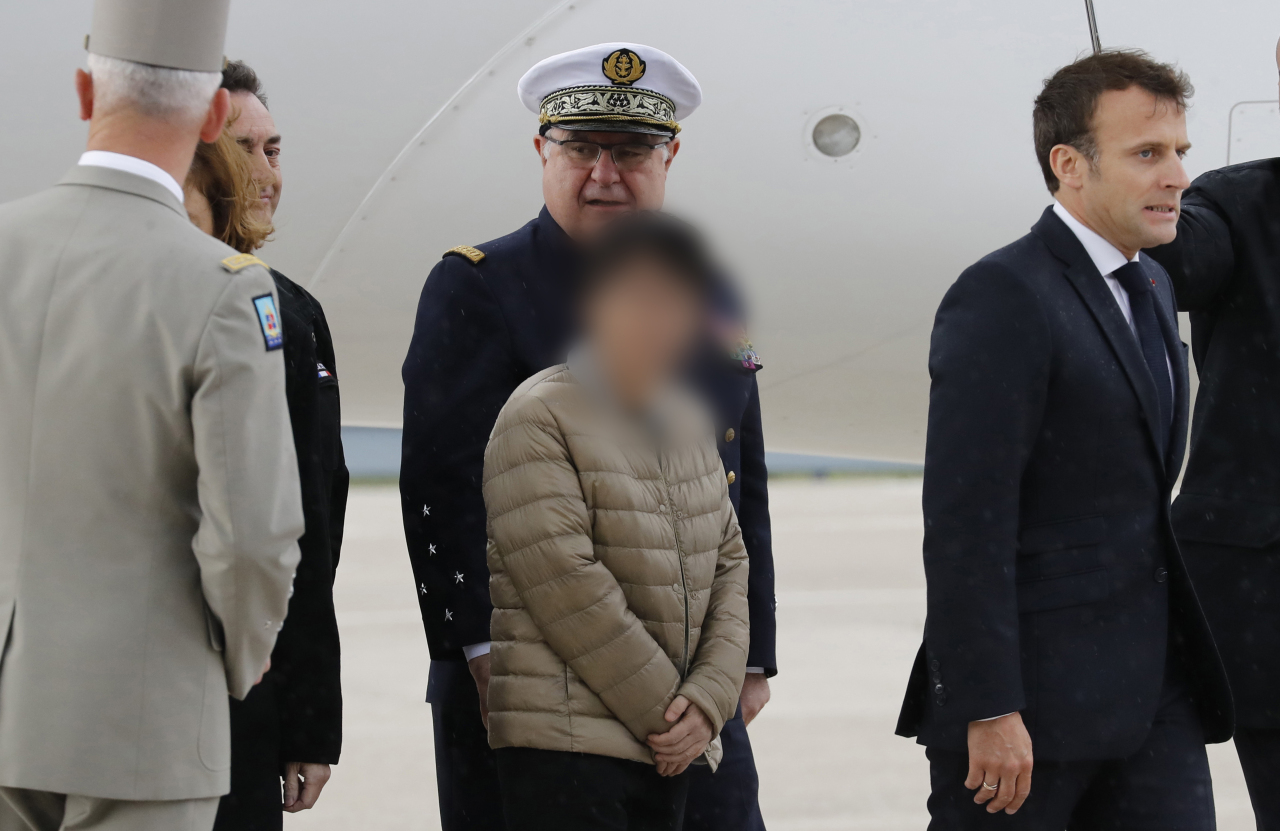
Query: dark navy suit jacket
<point x="1055" y="586"/>
<point x="482" y="329"/>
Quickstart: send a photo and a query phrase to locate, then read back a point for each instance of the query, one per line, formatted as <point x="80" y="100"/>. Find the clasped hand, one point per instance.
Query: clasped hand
<point x="687" y="739"/>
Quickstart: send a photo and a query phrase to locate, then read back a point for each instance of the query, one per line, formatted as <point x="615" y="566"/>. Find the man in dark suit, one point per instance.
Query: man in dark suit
<point x="290" y="726"/>
<point x="1225" y="267"/>
<point x="1063" y="635"/>
<point x="492" y="315"/>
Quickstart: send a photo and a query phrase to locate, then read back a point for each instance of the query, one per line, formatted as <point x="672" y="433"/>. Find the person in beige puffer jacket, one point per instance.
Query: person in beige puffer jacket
<point x="619" y="575"/>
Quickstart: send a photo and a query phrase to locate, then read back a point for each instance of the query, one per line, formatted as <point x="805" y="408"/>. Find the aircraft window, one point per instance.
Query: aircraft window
<point x="836" y="135"/>
<point x="1253" y="132"/>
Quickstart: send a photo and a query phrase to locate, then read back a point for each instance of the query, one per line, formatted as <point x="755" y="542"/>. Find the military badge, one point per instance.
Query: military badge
<point x="745" y="354"/>
<point x="323" y="372"/>
<point x="623" y="67"/>
<point x="272" y="333"/>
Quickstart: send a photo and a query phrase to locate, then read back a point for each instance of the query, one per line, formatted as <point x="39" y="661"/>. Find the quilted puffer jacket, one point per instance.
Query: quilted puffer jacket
<point x="618" y="573"/>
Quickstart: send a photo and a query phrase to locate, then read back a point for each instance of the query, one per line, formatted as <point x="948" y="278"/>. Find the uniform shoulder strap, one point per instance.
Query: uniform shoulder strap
<point x="239" y="262"/>
<point x="475" y="255"/>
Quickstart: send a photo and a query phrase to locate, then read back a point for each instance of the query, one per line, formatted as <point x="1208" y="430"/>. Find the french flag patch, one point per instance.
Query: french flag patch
<point x="324" y="373"/>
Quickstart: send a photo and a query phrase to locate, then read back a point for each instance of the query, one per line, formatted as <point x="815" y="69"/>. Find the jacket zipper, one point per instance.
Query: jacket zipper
<point x="684" y="585"/>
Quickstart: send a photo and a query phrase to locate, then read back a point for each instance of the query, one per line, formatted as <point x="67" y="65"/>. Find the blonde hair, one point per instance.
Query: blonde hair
<point x="221" y="171"/>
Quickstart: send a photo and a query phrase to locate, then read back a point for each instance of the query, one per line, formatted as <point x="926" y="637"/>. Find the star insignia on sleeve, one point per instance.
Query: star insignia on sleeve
<point x="431" y="548"/>
<point x="426" y="510"/>
<point x="457" y="577"/>
<point x="422" y="588"/>
<point x="448" y="615"/>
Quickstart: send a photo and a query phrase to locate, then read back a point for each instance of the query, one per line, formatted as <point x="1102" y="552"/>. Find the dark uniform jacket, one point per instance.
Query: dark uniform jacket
<point x="1055" y="584"/>
<point x="485" y="323"/>
<point x="305" y="665"/>
<point x="1225" y="267"/>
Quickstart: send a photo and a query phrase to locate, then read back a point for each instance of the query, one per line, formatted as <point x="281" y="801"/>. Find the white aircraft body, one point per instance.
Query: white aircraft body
<point x="403" y="137"/>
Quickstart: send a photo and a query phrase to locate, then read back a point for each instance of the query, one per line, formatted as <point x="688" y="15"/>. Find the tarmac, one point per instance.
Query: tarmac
<point x="851" y="604"/>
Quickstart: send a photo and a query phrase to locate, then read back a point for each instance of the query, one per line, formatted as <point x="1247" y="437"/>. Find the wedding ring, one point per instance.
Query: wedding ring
<point x="991" y="787"/>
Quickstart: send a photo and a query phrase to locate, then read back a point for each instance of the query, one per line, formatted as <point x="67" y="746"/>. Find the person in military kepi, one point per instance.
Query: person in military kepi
<point x="494" y="314"/>
<point x="1223" y="264"/>
<point x="149" y="498"/>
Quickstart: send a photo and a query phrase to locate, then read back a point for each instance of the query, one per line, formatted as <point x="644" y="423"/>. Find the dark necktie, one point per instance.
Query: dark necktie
<point x="1142" y="303"/>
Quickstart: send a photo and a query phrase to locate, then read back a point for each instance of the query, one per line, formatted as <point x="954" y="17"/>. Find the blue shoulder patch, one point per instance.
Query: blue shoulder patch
<point x="270" y="320"/>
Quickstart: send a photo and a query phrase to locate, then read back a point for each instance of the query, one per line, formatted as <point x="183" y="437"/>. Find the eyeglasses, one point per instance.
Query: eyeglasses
<point x="626" y="157"/>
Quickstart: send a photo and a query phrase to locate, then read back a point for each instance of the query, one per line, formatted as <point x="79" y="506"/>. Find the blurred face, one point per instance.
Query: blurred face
<point x="584" y="197"/>
<point x="1131" y="196"/>
<point x="642" y="324"/>
<point x="255" y="131"/>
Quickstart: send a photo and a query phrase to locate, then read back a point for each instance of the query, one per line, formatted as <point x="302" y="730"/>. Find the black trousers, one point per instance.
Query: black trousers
<point x="1165" y="786"/>
<point x="1259" y="751"/>
<point x="550" y="790"/>
<point x="255" y="802"/>
<point x="729" y="799"/>
<point x="466" y="770"/>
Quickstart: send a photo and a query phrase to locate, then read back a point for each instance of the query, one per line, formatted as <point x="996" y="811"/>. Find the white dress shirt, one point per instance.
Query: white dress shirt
<point x="134" y="165"/>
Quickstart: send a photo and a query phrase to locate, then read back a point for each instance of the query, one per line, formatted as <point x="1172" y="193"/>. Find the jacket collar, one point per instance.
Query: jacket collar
<point x="119" y="180"/>
<point x="1089" y="284"/>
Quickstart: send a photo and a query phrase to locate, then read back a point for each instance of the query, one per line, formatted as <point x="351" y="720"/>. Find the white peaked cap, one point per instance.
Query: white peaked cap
<point x="612" y="86"/>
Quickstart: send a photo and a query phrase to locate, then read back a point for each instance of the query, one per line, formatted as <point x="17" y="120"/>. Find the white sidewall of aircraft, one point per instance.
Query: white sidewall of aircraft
<point x="404" y="137"/>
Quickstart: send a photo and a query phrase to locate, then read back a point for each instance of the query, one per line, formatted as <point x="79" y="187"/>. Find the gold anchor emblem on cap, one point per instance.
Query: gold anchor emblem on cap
<point x="623" y="67"/>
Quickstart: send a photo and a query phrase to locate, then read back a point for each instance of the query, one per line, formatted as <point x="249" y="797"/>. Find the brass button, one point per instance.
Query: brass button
<point x="731" y="477"/>
<point x="729" y="434"/>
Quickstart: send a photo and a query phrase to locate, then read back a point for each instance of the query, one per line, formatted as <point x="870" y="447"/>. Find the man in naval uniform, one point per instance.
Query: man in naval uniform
<point x="149" y="497"/>
<point x="492" y="315"/>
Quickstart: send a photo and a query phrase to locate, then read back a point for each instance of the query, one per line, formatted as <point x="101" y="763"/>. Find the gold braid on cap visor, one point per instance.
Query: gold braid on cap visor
<point x="578" y="104"/>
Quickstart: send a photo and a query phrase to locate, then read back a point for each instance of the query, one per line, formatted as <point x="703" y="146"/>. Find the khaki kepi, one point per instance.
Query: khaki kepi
<point x="176" y="34"/>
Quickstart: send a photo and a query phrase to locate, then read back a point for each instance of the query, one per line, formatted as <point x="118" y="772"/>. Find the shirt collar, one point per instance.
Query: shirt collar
<point x="1106" y="257"/>
<point x="134" y="165"/>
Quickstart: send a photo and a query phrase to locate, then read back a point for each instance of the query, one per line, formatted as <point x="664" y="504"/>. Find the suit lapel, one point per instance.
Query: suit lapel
<point x="1093" y="290"/>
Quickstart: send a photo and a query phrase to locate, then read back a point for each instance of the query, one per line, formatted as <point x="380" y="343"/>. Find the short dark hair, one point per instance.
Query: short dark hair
<point x="649" y="236"/>
<point x="1065" y="107"/>
<point x="238" y="76"/>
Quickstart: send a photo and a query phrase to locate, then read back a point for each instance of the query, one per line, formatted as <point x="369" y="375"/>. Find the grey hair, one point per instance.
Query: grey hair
<point x="152" y="90"/>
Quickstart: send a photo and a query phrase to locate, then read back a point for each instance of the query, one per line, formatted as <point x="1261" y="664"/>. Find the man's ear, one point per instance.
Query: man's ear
<point x="540" y="145"/>
<point x="672" y="150"/>
<point x="216" y="118"/>
<point x="84" y="91"/>
<point x="1069" y="165"/>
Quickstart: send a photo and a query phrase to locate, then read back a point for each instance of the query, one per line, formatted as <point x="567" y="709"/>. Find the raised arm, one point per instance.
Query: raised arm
<point x="1202" y="258"/>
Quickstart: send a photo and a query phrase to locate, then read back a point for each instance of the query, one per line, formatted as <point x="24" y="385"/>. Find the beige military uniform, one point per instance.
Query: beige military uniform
<point x="149" y="499"/>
